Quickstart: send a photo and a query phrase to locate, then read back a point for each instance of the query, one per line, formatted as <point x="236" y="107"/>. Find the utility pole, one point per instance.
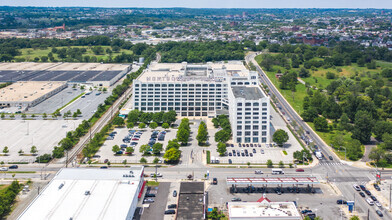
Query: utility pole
<point x="66" y="160"/>
<point x="390" y="195"/>
<point x="368" y="214"/>
<point x="156" y="175"/>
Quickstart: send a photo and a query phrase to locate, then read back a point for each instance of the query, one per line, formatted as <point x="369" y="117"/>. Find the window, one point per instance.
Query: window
<point x="255" y="127"/>
<point x="264" y="127"/>
<point x="247" y="133"/>
<point x="239" y="140"/>
<point x="239" y="122"/>
<point x="255" y="104"/>
<point x="255" y="109"/>
<point x="264" y="133"/>
<point x="239" y="109"/>
<point x="265" y="104"/>
<point x="247" y="104"/>
<point x="263" y="140"/>
<point x="255" y="133"/>
<point x="247" y="127"/>
<point x="239" y="104"/>
<point x="239" y="133"/>
<point x="255" y="139"/>
<point x="247" y="139"/>
<point x="239" y="127"/>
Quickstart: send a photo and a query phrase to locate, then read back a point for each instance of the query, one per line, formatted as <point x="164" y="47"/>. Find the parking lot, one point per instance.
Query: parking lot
<point x="87" y="104"/>
<point x="322" y="202"/>
<point x="106" y="152"/>
<point x="156" y="209"/>
<point x="22" y="134"/>
<point x="56" y="101"/>
<point x="259" y="153"/>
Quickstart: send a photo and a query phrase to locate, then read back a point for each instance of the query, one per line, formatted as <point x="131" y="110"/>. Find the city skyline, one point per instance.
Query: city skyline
<point x="378" y="4"/>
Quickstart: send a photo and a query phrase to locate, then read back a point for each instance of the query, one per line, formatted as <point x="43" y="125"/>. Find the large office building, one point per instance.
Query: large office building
<point x="207" y="90"/>
<point x="88" y="193"/>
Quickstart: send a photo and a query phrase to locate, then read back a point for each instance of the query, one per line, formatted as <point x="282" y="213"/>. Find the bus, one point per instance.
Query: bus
<point x="277" y="171"/>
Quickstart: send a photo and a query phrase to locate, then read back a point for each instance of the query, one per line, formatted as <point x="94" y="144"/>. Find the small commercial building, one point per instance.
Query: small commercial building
<point x="26" y="94"/>
<point x="263" y="209"/>
<point x="84" y="193"/>
<point x="192" y="201"/>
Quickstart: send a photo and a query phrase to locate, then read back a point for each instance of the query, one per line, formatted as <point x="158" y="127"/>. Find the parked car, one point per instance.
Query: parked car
<point x="175" y="193"/>
<point x="148" y="200"/>
<point x="299" y="170"/>
<point x="262" y="151"/>
<point x="230" y="154"/>
<point x="368" y="192"/>
<point x="106" y="160"/>
<point x="103" y="167"/>
<point x="236" y="199"/>
<point x="330" y="157"/>
<point x="356" y="187"/>
<point x="362" y="187"/>
<point x="158" y="175"/>
<point x="377" y="187"/>
<point x="3" y="168"/>
<point x="378" y="204"/>
<point x="369" y="201"/>
<point x="149" y="195"/>
<point x="341" y="201"/>
<point x="362" y="194"/>
<point x="172" y="206"/>
<point x="254" y="150"/>
<point x="230" y="161"/>
<point x="251" y="154"/>
<point x="379" y="213"/>
<point x="215" y="181"/>
<point x="170" y="212"/>
<point x="13" y="167"/>
<point x="306" y="211"/>
<point x="373" y="198"/>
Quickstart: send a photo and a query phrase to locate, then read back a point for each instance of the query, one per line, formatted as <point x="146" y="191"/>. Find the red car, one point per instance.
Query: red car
<point x="135" y="139"/>
<point x="299" y="170"/>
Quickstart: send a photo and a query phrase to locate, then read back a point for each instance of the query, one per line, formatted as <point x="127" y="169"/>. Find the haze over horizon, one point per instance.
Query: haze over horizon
<point x="353" y="4"/>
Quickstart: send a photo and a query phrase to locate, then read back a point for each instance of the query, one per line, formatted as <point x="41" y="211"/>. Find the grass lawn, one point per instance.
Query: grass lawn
<point x="152" y="183"/>
<point x="29" y="53"/>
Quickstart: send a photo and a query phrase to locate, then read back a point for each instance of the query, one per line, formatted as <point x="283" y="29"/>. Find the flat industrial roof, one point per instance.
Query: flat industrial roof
<point x="248" y="93"/>
<point x="73" y="72"/>
<point x="111" y="194"/>
<point x="27" y="91"/>
<point x="180" y="71"/>
<point x="271" y="180"/>
<point x="191" y="201"/>
<point x="263" y="210"/>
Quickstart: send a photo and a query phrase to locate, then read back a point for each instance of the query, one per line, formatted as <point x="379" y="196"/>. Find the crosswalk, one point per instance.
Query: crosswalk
<point x="330" y="164"/>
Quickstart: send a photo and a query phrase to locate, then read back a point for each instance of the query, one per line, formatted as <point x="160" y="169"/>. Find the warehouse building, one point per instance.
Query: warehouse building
<point x="263" y="209"/>
<point x="207" y="90"/>
<point x="83" y="193"/>
<point x="27" y="94"/>
<point x="95" y="74"/>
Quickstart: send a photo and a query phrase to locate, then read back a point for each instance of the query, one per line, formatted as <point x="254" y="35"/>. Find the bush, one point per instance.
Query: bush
<point x="208" y="157"/>
<point x="8" y="196"/>
<point x="43" y="158"/>
<point x="143" y="160"/>
<point x="330" y="75"/>
<point x="270" y="164"/>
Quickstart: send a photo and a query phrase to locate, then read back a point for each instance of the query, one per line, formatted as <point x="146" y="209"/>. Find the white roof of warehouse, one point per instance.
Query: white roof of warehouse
<point x="111" y="195"/>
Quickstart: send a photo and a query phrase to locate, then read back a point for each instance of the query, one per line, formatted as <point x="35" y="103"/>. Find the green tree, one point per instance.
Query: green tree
<point x="376" y="154"/>
<point x="157" y="148"/>
<point x="173" y="144"/>
<point x="380" y="128"/>
<point x="354" y="149"/>
<point x="280" y="137"/>
<point x="129" y="150"/>
<point x="169" y="117"/>
<point x="221" y="149"/>
<point x="116" y="148"/>
<point x="202" y="133"/>
<point x="130" y="125"/>
<point x="143" y="160"/>
<point x="118" y="121"/>
<point x="281" y="164"/>
<point x="215" y="215"/>
<point x="354" y="218"/>
<point x="156" y="160"/>
<point x="144" y="149"/>
<point x="58" y="152"/>
<point x="66" y="143"/>
<point x="24" y="116"/>
<point x="142" y="125"/>
<point x="133" y="116"/>
<point x="363" y="127"/>
<point x="222" y="136"/>
<point x="270" y="164"/>
<point x="320" y="124"/>
<point x="165" y="125"/>
<point x="172" y="155"/>
<point x="183" y="135"/>
<point x="157" y="117"/>
<point x="6" y="150"/>
<point x="44" y="116"/>
<point x="33" y="150"/>
<point x="153" y="125"/>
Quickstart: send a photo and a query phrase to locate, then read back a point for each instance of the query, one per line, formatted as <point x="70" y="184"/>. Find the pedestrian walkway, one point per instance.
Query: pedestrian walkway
<point x="329" y="164"/>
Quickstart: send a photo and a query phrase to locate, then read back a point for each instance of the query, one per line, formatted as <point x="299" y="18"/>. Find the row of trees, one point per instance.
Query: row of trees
<point x="202" y="134"/>
<point x="172" y="152"/>
<point x="159" y="118"/>
<point x="184" y="131"/>
<point x="225" y="134"/>
<point x="7" y="198"/>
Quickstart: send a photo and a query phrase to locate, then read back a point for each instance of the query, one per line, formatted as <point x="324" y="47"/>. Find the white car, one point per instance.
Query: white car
<point x="258" y="172"/>
<point x="369" y="201"/>
<point x="356" y="187"/>
<point x="377" y="203"/>
<point x="158" y="175"/>
<point x="3" y="168"/>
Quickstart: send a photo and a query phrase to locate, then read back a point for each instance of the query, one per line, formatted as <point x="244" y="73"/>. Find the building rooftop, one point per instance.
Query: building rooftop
<point x="191" y="201"/>
<point x="263" y="208"/>
<point x="248" y="93"/>
<point x="62" y="66"/>
<point x="111" y="194"/>
<point x="27" y="91"/>
<point x="170" y="72"/>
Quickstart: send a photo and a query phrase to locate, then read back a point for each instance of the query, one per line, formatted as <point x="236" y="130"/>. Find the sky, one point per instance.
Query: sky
<point x="385" y="4"/>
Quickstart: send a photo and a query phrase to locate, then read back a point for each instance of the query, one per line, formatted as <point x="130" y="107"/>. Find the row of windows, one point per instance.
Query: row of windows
<point x="180" y="85"/>
<point x="250" y="104"/>
<point x="177" y="96"/>
<point x="178" y="93"/>
<point x="250" y="113"/>
<point x="255" y="117"/>
<point x="241" y="83"/>
<point x="179" y="89"/>
<point x="254" y="133"/>
<point x="178" y="104"/>
<point x="177" y="100"/>
<point x="254" y="127"/>
<point x="254" y="122"/>
<point x="254" y="140"/>
<point x="158" y="109"/>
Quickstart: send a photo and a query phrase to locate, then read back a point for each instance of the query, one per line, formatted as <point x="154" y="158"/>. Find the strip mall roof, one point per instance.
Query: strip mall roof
<point x="271" y="180"/>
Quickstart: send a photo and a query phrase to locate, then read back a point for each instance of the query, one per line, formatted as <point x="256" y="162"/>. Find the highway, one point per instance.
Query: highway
<point x="342" y="175"/>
